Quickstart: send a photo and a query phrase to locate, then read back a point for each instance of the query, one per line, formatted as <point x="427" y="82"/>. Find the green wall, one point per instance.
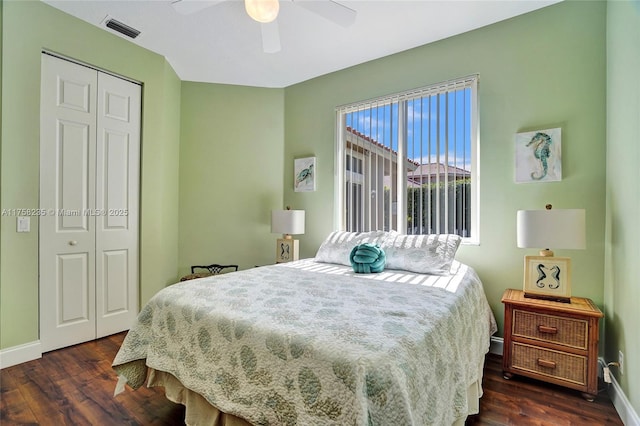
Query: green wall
<point x="622" y="270"/>
<point x="216" y="159"/>
<point x="231" y="162"/>
<point x="540" y="70"/>
<point x="28" y="28"/>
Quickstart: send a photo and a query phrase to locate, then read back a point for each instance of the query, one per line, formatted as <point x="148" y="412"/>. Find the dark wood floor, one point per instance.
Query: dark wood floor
<point x="522" y="401"/>
<point x="74" y="386"/>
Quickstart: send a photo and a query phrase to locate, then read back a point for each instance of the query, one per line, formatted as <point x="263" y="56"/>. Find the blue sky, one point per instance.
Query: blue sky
<point x="452" y="110"/>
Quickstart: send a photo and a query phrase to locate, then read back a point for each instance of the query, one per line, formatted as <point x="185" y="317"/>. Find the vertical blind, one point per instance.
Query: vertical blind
<point x="407" y="161"/>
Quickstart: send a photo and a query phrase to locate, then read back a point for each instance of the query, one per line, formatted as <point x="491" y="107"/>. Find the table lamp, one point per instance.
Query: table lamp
<point x="287" y="222"/>
<point x="547" y="276"/>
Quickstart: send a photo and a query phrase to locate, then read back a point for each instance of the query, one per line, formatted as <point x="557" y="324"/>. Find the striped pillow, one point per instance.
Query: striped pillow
<point x="337" y="247"/>
<point x="425" y="254"/>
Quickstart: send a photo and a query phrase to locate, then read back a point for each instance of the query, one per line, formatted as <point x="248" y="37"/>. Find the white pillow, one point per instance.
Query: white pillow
<point x="425" y="254"/>
<point x="337" y="247"/>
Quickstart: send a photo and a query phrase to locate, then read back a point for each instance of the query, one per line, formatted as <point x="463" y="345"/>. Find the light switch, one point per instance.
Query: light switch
<point x="24" y="224"/>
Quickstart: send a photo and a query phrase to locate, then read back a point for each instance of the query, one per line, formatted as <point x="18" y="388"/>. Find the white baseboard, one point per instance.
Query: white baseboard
<point x="496" y="346"/>
<point x="620" y="401"/>
<point x="19" y="354"/>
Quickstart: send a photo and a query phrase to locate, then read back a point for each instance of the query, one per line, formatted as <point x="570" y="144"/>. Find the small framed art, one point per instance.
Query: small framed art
<point x="547" y="277"/>
<point x="538" y="156"/>
<point x="304" y="174"/>
<point x="287" y="250"/>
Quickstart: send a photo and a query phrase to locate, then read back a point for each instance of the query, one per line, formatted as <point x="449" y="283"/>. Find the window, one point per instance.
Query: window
<point x="408" y="161"/>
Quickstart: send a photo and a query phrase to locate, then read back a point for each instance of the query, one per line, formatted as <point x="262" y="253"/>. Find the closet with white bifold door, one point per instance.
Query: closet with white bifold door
<point x="89" y="203"/>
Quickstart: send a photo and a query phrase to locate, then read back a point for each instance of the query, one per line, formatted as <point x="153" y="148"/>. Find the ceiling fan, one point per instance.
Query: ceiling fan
<point x="266" y="12"/>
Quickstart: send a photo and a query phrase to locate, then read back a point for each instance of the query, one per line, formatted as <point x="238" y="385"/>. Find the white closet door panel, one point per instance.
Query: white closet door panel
<point x="117" y="106"/>
<point x="117" y="200"/>
<point x="74" y="166"/>
<point x="73" y="301"/>
<point x="115" y="269"/>
<point x="75" y="94"/>
<point x="116" y="180"/>
<point x="72" y="288"/>
<point x="67" y="176"/>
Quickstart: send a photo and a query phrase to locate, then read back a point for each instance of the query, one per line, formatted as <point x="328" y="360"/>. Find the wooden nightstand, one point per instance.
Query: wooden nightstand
<point x="552" y="341"/>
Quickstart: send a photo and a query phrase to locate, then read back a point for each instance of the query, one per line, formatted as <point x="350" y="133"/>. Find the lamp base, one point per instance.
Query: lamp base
<point x="545" y="297"/>
<point x="547" y="278"/>
<point x="287" y="250"/>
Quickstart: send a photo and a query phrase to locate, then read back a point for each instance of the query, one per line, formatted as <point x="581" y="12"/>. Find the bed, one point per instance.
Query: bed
<point x="313" y="343"/>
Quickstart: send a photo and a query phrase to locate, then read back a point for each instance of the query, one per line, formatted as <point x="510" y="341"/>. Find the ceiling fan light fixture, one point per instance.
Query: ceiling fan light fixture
<point x="262" y="10"/>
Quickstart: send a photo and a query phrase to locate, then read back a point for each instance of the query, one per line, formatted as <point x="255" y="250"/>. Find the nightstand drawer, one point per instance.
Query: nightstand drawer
<point x="550" y="328"/>
<point x="559" y="365"/>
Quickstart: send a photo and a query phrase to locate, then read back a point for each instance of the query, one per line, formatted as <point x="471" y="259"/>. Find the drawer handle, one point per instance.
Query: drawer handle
<point x="547" y="330"/>
<point x="546" y="363"/>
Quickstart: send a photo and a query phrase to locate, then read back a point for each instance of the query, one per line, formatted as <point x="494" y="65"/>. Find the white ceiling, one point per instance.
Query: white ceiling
<point x="221" y="44"/>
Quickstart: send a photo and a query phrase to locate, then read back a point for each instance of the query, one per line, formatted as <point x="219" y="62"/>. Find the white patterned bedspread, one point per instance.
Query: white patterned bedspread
<point x="309" y="343"/>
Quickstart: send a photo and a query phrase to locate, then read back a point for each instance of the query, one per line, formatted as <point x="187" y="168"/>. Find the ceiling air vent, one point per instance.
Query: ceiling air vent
<point x="122" y="28"/>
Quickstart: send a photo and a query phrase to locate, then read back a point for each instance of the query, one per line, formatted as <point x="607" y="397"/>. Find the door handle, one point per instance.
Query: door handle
<point x="73" y="242"/>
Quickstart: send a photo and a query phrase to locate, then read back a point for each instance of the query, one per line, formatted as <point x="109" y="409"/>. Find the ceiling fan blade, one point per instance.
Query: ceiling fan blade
<point x="187" y="7"/>
<point x="270" y="37"/>
<point x="331" y="10"/>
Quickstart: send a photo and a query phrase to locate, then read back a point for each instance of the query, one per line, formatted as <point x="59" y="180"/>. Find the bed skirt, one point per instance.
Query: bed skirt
<point x="198" y="411"/>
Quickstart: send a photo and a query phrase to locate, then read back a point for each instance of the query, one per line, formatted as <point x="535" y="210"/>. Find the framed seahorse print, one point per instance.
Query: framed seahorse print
<point x="539" y="156"/>
<point x="287" y="250"/>
<point x="547" y="277"/>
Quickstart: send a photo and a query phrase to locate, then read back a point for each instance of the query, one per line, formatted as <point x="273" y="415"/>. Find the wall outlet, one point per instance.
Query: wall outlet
<point x="621" y="362"/>
<point x="23" y="224"/>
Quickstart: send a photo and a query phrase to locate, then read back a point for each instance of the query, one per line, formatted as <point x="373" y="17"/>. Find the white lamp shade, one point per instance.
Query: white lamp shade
<point x="287" y="222"/>
<point x="552" y="229"/>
